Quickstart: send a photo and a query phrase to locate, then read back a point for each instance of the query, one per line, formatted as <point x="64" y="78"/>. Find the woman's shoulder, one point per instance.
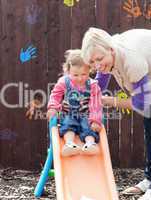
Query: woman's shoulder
<point x="136" y="67"/>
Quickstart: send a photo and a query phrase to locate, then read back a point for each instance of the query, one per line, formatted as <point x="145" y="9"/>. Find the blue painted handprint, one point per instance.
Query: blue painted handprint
<point x="28" y="54"/>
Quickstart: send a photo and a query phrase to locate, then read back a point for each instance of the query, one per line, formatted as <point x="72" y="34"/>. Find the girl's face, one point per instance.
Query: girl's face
<point x="79" y="74"/>
<point x="102" y="62"/>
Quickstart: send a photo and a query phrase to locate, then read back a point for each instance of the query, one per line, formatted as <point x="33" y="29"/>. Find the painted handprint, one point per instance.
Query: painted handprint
<point x="32" y="107"/>
<point x="70" y="3"/>
<point x="133" y="8"/>
<point x="28" y="54"/>
<point x="147" y="14"/>
<point x="123" y="95"/>
<point x="7" y="134"/>
<point x="32" y="14"/>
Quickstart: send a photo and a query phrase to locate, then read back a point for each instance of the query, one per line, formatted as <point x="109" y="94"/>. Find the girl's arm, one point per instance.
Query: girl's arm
<point x="56" y="96"/>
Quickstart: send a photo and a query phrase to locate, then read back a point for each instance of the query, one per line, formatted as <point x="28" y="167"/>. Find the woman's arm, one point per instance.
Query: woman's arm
<point x="116" y="102"/>
<point x="103" y="81"/>
<point x="141" y="98"/>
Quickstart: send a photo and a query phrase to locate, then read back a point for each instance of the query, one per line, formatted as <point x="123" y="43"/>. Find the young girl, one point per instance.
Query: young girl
<point x="83" y="96"/>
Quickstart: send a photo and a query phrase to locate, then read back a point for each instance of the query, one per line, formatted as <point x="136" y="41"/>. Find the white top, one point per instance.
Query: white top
<point x="132" y="57"/>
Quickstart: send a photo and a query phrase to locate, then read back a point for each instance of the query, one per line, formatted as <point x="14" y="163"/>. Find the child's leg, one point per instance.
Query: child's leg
<point x="90" y="147"/>
<point x="89" y="137"/>
<point x="70" y="148"/>
<point x="69" y="136"/>
<point x="86" y="133"/>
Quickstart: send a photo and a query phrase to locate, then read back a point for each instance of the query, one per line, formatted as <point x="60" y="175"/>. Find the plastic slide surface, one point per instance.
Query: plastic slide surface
<point x="83" y="177"/>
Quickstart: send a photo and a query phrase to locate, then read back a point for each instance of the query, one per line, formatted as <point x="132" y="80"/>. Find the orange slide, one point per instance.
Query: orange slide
<point x="83" y="177"/>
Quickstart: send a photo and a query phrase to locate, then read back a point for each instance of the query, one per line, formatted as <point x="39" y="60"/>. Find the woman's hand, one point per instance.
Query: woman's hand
<point x="96" y="127"/>
<point x="108" y="101"/>
<point x="116" y="102"/>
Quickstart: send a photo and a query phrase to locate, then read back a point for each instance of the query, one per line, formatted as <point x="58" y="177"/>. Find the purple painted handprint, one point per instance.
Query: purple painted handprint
<point x="32" y="14"/>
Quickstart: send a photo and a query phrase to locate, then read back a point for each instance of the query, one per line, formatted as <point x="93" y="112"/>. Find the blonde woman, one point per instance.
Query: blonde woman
<point x="127" y="56"/>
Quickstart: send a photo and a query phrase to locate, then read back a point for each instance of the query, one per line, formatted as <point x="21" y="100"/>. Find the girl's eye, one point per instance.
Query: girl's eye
<point x="91" y="62"/>
<point x="99" y="59"/>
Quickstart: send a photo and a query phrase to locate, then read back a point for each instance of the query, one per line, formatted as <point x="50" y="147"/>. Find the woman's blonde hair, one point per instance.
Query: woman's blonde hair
<point x="97" y="39"/>
<point x="72" y="58"/>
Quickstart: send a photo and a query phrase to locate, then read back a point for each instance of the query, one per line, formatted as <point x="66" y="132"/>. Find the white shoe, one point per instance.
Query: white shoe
<point x="70" y="149"/>
<point x="140" y="188"/>
<point x="146" y="196"/>
<point x="144" y="185"/>
<point x="90" y="148"/>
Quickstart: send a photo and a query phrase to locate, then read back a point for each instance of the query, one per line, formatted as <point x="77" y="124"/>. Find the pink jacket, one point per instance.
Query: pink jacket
<point x="95" y="106"/>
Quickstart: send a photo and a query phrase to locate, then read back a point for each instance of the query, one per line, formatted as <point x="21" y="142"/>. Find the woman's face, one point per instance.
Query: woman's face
<point x="102" y="62"/>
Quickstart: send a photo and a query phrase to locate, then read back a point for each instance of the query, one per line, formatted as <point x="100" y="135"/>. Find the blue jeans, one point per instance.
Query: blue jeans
<point x="79" y="125"/>
<point x="147" y="129"/>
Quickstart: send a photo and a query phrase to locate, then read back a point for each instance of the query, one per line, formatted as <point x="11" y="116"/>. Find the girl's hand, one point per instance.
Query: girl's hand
<point x="51" y="113"/>
<point x="96" y="127"/>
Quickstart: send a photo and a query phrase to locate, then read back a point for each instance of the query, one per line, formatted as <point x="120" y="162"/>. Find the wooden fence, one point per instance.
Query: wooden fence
<point x="46" y="28"/>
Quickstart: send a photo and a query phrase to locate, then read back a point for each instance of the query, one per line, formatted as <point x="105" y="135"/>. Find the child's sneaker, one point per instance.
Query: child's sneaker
<point x="70" y="149"/>
<point x="90" y="148"/>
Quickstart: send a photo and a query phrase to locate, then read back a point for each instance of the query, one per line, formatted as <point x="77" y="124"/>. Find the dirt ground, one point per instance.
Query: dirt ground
<point x="18" y="184"/>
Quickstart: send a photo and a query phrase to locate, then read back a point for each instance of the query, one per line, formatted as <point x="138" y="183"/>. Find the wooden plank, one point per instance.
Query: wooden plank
<point x="83" y="17"/>
<point x="102" y="14"/>
<point x="7" y="64"/>
<point x="138" y="149"/>
<point x="34" y="75"/>
<point x="113" y="137"/>
<point x="36" y="27"/>
<point x="58" y="37"/>
<point x="136" y="152"/>
<point x="65" y="27"/>
<point x="144" y="20"/>
<point x="113" y="124"/>
<point x="113" y="17"/>
<point x="1" y="35"/>
<point x="126" y="20"/>
<point x="125" y="141"/>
